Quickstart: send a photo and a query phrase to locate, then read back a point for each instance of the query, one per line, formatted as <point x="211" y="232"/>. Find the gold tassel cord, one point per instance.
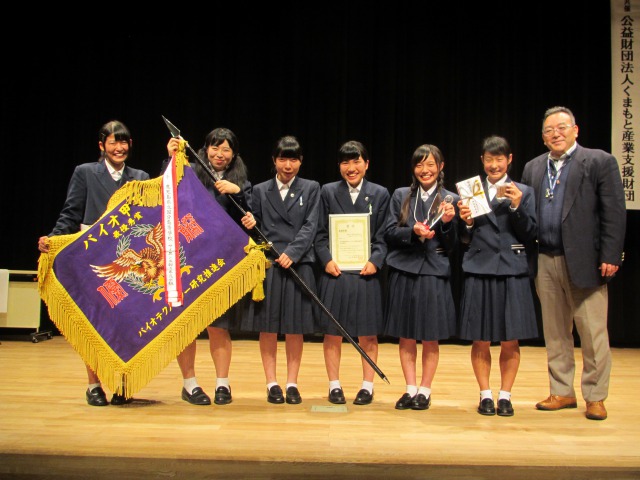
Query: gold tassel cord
<point x="246" y="276"/>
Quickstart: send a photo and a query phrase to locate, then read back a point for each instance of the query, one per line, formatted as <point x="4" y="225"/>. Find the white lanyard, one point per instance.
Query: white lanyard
<point x="415" y="205"/>
<point x="554" y="178"/>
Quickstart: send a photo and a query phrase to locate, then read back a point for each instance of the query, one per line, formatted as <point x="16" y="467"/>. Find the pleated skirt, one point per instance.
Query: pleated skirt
<point x="231" y="319"/>
<point x="355" y="301"/>
<point x="287" y="307"/>
<point x="419" y="307"/>
<point x="497" y="308"/>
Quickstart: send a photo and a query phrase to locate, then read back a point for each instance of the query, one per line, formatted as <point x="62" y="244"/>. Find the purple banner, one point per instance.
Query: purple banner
<point x="114" y="271"/>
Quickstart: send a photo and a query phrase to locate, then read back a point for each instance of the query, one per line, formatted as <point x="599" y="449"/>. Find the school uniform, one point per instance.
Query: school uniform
<point x="420" y="303"/>
<point x="497" y="301"/>
<point x="90" y="188"/>
<point x="356" y="301"/>
<point x="290" y="225"/>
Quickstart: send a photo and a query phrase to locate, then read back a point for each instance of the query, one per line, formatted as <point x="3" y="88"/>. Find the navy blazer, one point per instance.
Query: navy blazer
<point x="90" y="188"/>
<point x="336" y="199"/>
<point x="406" y="251"/>
<point x="290" y="224"/>
<point x="594" y="215"/>
<point x="495" y="245"/>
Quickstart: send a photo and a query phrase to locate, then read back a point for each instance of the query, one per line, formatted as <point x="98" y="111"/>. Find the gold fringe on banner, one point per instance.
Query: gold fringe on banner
<point x="248" y="275"/>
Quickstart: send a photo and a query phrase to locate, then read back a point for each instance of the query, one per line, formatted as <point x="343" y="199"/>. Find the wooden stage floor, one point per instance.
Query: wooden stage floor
<point x="47" y="431"/>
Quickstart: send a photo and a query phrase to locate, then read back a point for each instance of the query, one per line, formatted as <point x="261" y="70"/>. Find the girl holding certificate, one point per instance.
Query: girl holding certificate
<point x="497" y="303"/>
<point x="420" y="232"/>
<point x="286" y="209"/>
<point x="352" y="293"/>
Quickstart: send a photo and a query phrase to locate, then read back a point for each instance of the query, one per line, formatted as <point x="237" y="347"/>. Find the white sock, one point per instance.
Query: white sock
<point x="222" y="382"/>
<point x="426" y="391"/>
<point x="189" y="384"/>
<point x="412" y="390"/>
<point x="269" y="385"/>
<point x="334" y="384"/>
<point x="486" y="394"/>
<point x="93" y="385"/>
<point x="504" y="395"/>
<point x="368" y="386"/>
<point x="292" y="385"/>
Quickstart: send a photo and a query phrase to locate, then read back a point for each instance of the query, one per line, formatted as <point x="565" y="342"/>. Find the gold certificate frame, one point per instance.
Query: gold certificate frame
<point x="350" y="243"/>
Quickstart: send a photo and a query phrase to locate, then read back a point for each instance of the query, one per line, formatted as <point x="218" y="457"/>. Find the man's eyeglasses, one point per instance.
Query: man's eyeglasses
<point x="561" y="129"/>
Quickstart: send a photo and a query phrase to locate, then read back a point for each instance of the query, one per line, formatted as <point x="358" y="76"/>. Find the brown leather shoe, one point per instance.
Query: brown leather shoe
<point x="556" y="402"/>
<point x="596" y="410"/>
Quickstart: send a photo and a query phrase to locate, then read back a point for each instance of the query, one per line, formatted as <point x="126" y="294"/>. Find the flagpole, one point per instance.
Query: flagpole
<point x="175" y="133"/>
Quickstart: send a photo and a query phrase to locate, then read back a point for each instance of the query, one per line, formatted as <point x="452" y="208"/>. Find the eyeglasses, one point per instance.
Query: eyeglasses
<point x="561" y="129"/>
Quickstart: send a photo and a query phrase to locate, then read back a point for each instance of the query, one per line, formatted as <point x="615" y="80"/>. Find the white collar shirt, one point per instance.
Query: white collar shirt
<point x="283" y="187"/>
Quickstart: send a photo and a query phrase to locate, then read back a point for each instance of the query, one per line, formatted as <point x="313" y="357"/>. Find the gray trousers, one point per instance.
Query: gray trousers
<point x="563" y="304"/>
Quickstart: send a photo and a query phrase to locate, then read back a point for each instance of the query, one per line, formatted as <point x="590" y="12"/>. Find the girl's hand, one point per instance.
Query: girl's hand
<point x="248" y="221"/>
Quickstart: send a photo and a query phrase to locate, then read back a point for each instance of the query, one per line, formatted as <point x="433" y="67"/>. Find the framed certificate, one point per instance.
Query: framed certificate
<point x="349" y="240"/>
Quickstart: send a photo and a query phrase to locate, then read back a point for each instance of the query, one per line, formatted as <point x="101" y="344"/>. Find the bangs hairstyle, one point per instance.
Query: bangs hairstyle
<point x="352" y="150"/>
<point x="118" y="129"/>
<point x="219" y="135"/>
<point x="496" y="145"/>
<point x="420" y="154"/>
<point x="423" y="151"/>
<point x="236" y="171"/>
<point x="287" y="147"/>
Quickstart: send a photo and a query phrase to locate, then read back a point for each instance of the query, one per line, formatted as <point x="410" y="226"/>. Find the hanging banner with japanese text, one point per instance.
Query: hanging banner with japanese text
<point x="105" y="286"/>
<point x="625" y="95"/>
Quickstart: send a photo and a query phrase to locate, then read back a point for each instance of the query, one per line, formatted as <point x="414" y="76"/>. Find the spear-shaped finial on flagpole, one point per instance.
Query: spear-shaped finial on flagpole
<point x="175" y="132"/>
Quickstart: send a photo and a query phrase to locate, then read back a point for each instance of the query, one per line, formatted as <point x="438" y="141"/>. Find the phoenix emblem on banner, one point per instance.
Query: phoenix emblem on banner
<point x="144" y="270"/>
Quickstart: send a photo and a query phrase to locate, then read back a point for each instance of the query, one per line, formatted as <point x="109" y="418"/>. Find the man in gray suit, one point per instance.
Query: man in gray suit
<point x="90" y="188"/>
<point x="581" y="227"/>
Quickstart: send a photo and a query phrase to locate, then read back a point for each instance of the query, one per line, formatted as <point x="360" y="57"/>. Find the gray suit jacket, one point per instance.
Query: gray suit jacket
<point x="88" y="194"/>
<point x="594" y="215"/>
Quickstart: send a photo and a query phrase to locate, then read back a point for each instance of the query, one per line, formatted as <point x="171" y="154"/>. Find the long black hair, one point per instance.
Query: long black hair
<point x="421" y="154"/>
<point x="236" y="171"/>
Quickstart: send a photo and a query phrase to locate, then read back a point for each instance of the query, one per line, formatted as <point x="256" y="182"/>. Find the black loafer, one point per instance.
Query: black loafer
<point x="197" y="397"/>
<point x="505" y="409"/>
<point x="120" y="399"/>
<point x="405" y="402"/>
<point x="337" y="396"/>
<point x="486" y="407"/>
<point x="363" y="397"/>
<point x="97" y="397"/>
<point x="223" y="396"/>
<point x="293" y="396"/>
<point x="421" y="402"/>
<point x="274" y="394"/>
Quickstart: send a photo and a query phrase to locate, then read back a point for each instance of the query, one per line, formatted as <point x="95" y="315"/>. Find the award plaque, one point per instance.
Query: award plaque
<point x="349" y="240"/>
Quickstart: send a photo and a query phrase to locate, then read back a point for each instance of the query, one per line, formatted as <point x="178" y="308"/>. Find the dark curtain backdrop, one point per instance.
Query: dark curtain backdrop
<point x="393" y="77"/>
